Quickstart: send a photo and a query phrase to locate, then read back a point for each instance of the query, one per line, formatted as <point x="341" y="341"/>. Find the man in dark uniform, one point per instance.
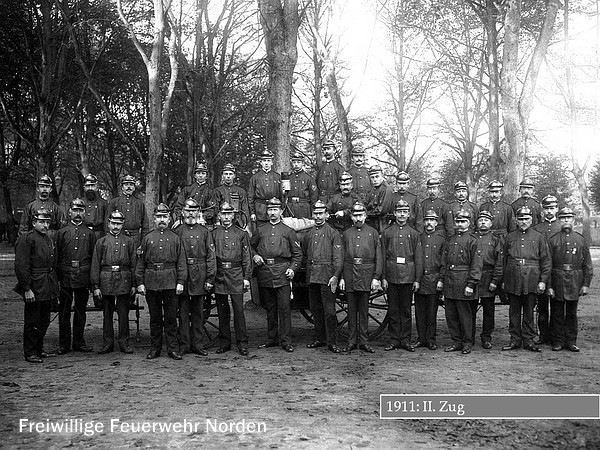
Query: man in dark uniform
<point x="380" y="200"/>
<point x="462" y="203"/>
<point x="322" y="246"/>
<point x="402" y="270"/>
<point x="201" y="268"/>
<point x="161" y="272"/>
<point x="548" y="227"/>
<point x="136" y="224"/>
<point x="363" y="267"/>
<point x="526" y="199"/>
<point x="278" y="256"/>
<point x="572" y="274"/>
<point x="232" y="194"/>
<point x="416" y="214"/>
<point x="461" y="273"/>
<point x="75" y="247"/>
<point x="303" y="189"/>
<point x="340" y="204"/>
<point x="491" y="249"/>
<point x="426" y="298"/>
<point x="328" y="173"/>
<point x="234" y="269"/>
<point x="435" y="203"/>
<point x="360" y="174"/>
<point x="526" y="271"/>
<point x="264" y="185"/>
<point x="112" y="277"/>
<point x="44" y="201"/>
<point x="199" y="190"/>
<point x="503" y="221"/>
<point x="94" y="216"/>
<point x="35" y="267"/>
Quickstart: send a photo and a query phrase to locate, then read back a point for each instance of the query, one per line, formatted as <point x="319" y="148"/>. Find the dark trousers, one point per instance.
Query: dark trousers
<point x="322" y="306"/>
<point x="358" y="317"/>
<point x="521" y="331"/>
<point x="426" y="308"/>
<point x="488" y="323"/>
<point x="279" y="315"/>
<point x="191" y="322"/>
<point x="399" y="304"/>
<point x="36" y="320"/>
<point x="563" y="322"/>
<point x="121" y="304"/>
<point x="543" y="303"/>
<point x="239" y="320"/>
<point x="67" y="295"/>
<point x="163" y="316"/>
<point x="459" y="316"/>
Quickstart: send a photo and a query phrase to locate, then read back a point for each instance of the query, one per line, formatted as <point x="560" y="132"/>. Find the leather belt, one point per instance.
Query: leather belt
<point x="459" y="268"/>
<point x="314" y="262"/>
<point x="193" y="260"/>
<point x="273" y="261"/>
<point x="131" y="232"/>
<point x="525" y="262"/>
<point x="161" y="265"/>
<point x="228" y="264"/>
<point x="566" y="267"/>
<point x="114" y="269"/>
<point x="95" y="227"/>
<point x="430" y="271"/>
<point x="359" y="261"/>
<point x="401" y="260"/>
<point x="40" y="270"/>
<point x="298" y="200"/>
<point x="76" y="264"/>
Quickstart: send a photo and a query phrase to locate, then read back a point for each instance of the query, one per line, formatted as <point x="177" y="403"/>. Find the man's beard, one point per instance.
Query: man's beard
<point x="567" y="227"/>
<point x="44" y="195"/>
<point x="91" y="195"/>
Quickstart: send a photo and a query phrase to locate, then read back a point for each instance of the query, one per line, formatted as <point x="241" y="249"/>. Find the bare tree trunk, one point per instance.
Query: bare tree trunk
<point x="494" y="89"/>
<point x="280" y="20"/>
<point x="398" y="44"/>
<point x="318" y="75"/>
<point x="341" y="114"/>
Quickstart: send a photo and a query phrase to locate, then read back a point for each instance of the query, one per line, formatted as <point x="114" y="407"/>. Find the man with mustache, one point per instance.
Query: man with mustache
<point x="503" y="221"/>
<point x="462" y="203"/>
<point x="264" y="185"/>
<point x="526" y="272"/>
<point x="379" y="201"/>
<point x="340" y="204"/>
<point x="402" y="193"/>
<point x="94" y="216"/>
<point x="112" y="277"/>
<point x="572" y="274"/>
<point x="433" y="202"/>
<point x="199" y="190"/>
<point x="303" y="189"/>
<point x="278" y="256"/>
<point x="328" y="173"/>
<point x="136" y="224"/>
<point x="360" y="174"/>
<point x="526" y="199"/>
<point x="35" y="268"/>
<point x="548" y="227"/>
<point x="232" y="194"/>
<point x="75" y="246"/>
<point x="161" y="273"/>
<point x="45" y="202"/>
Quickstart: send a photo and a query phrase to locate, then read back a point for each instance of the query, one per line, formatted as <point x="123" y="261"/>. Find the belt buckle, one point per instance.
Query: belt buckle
<point x="74" y="263"/>
<point x="358" y="260"/>
<point x="295" y="199"/>
<point x="520" y="261"/>
<point x="452" y="267"/>
<point x="567" y="266"/>
<point x="115" y="268"/>
<point x="159" y="266"/>
<point x="191" y="260"/>
<point x="270" y="261"/>
<point x="226" y="265"/>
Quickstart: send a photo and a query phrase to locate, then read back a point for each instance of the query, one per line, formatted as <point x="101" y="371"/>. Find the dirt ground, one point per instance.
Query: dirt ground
<point x="306" y="399"/>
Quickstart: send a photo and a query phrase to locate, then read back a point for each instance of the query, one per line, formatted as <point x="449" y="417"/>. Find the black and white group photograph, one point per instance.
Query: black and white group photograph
<point x="300" y="224"/>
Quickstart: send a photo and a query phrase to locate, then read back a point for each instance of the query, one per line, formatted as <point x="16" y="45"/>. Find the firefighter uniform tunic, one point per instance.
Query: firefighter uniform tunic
<point x="234" y="265"/>
<point x="440" y="207"/>
<point x="328" y="175"/>
<point x="75" y="247"/>
<point x="461" y="267"/>
<point x="95" y="215"/>
<point x="136" y="223"/>
<point x="415" y="219"/>
<point x="234" y="195"/>
<point x="113" y="267"/>
<point x="201" y="269"/>
<point x="571" y="269"/>
<point x="531" y="203"/>
<point x="201" y="193"/>
<point x="527" y="263"/>
<point x="492" y="254"/>
<point x="303" y="193"/>
<point x="263" y="187"/>
<point x="426" y="298"/>
<point x="403" y="265"/>
<point x="35" y="268"/>
<point x="280" y="249"/>
<point x="380" y="204"/>
<point x="56" y="216"/>
<point x="548" y="229"/>
<point x="504" y="217"/>
<point x="363" y="262"/>
<point x="322" y="246"/>
<point x="341" y="202"/>
<point x="453" y="209"/>
<point x="160" y="267"/>
<point x="361" y="182"/>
